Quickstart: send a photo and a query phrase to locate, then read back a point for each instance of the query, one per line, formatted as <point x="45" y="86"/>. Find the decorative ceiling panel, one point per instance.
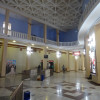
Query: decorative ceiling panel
<point x="61" y="14"/>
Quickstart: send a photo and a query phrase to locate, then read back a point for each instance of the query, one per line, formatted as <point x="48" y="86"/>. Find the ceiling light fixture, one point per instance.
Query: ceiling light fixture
<point x="32" y="44"/>
<point x="29" y="51"/>
<point x="14" y="41"/>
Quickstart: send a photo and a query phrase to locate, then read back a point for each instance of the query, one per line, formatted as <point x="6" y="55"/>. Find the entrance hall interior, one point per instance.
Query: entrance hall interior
<point x="49" y="50"/>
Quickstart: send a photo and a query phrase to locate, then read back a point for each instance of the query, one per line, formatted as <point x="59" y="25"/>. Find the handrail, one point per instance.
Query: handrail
<point x="68" y="43"/>
<point x="14" y="94"/>
<point x="37" y="39"/>
<point x="91" y="4"/>
<point x="51" y="42"/>
<point x="18" y="35"/>
<point x="33" y="38"/>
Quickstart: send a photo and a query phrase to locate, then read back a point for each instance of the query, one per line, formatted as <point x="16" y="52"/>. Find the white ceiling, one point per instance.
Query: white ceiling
<point x="61" y="14"/>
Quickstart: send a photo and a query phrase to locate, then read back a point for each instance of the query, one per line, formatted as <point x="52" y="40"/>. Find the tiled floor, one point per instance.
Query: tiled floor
<point x="68" y="86"/>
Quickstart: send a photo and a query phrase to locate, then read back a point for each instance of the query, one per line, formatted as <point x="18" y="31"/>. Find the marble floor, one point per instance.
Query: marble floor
<point x="68" y="86"/>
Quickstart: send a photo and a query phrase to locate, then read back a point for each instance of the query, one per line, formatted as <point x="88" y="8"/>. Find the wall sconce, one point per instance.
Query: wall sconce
<point x="76" y="57"/>
<point x="29" y="50"/>
<point x="14" y="41"/>
<point x="84" y="52"/>
<point x="58" y="54"/>
<point x="21" y="49"/>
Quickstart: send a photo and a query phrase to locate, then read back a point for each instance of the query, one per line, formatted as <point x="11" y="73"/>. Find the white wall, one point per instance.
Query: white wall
<point x="63" y="61"/>
<point x="71" y="62"/>
<point x="19" y="56"/>
<point x="52" y="56"/>
<point x="35" y="59"/>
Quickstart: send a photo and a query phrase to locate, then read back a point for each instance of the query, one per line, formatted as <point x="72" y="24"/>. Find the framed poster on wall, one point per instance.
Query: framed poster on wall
<point x="11" y="67"/>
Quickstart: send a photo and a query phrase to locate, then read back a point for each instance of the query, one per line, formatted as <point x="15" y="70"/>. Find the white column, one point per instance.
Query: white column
<point x="87" y="58"/>
<point x="58" y="65"/>
<point x="82" y="62"/>
<point x="45" y="49"/>
<point x="27" y="62"/>
<point x="4" y="56"/>
<point x="68" y="68"/>
<point x="45" y="59"/>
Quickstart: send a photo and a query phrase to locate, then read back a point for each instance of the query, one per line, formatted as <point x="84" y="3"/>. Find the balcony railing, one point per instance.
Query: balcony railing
<point x="51" y="42"/>
<point x="91" y="4"/>
<point x="13" y="34"/>
<point x="68" y="43"/>
<point x="18" y="35"/>
<point x="36" y="39"/>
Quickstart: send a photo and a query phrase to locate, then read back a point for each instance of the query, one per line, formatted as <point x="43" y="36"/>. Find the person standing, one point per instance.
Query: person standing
<point x="63" y="69"/>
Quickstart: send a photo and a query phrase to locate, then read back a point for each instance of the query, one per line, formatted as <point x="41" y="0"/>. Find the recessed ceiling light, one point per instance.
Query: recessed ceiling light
<point x="14" y="41"/>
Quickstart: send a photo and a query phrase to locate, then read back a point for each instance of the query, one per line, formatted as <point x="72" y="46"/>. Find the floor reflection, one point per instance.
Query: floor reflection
<point x="67" y="86"/>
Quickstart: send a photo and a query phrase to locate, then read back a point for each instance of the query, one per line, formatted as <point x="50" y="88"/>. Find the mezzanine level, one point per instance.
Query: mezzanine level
<point x="23" y="37"/>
